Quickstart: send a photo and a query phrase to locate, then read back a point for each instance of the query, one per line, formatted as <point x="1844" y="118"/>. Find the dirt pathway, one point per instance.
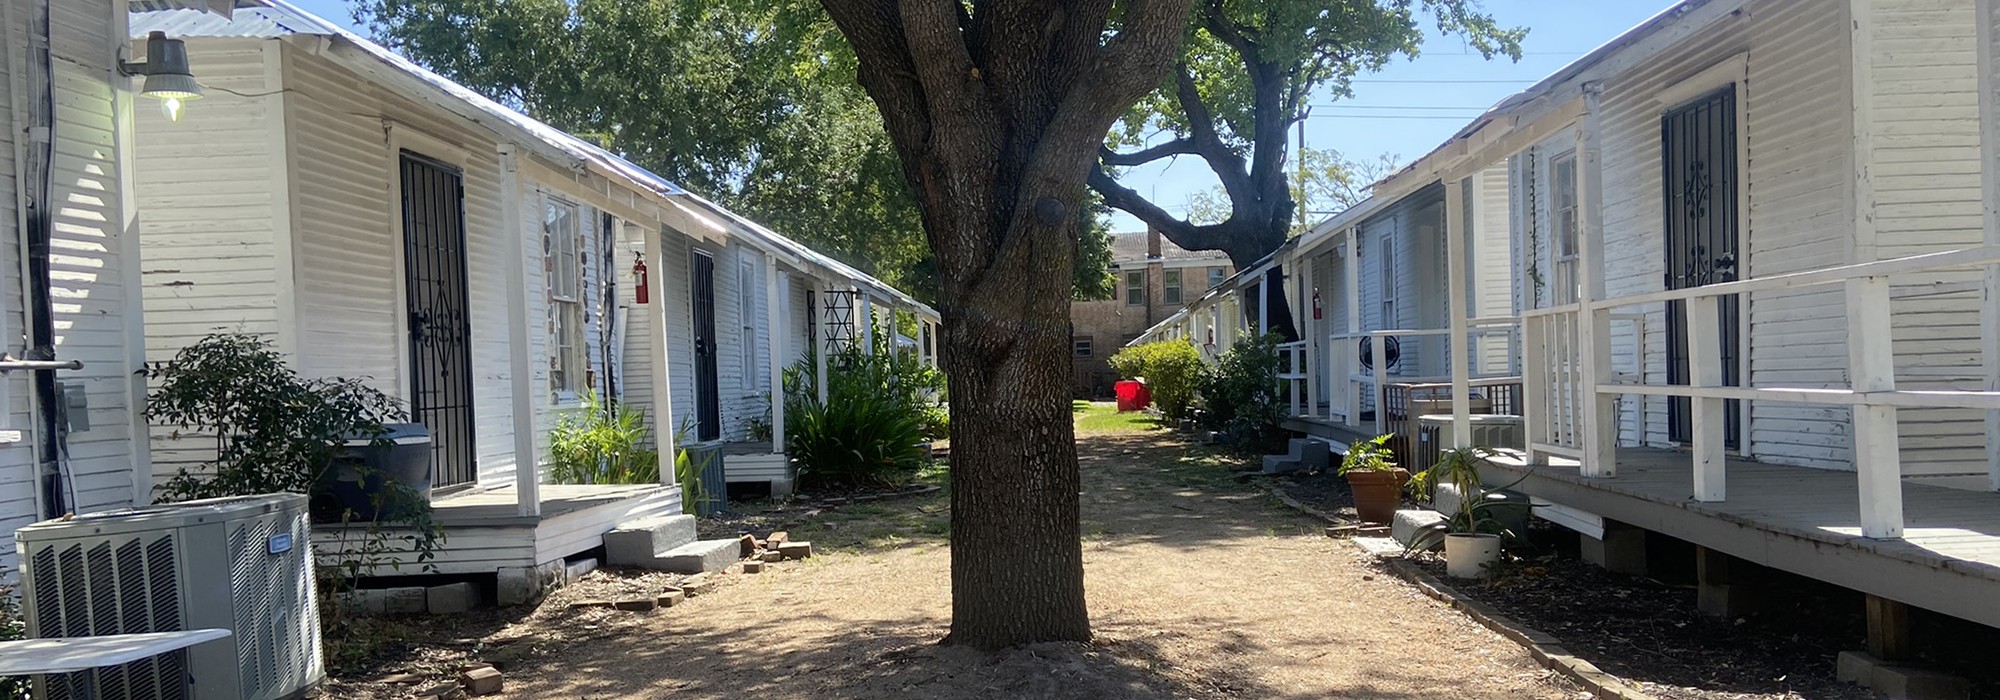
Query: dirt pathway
<point x="1199" y="587"/>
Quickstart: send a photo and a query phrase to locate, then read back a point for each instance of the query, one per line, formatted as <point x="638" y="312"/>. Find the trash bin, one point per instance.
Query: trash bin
<point x="361" y="474"/>
<point x="1133" y="395"/>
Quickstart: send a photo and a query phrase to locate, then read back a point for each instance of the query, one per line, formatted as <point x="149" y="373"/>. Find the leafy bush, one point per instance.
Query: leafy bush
<point x="12" y="627"/>
<point x="1172" y="370"/>
<point x="870" y="431"/>
<point x="273" y="430"/>
<point x="599" y="444"/>
<point x="1241" y="395"/>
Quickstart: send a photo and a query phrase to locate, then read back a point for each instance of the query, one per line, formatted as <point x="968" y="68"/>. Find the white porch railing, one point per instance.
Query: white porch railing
<point x="1349" y="389"/>
<point x="1560" y="407"/>
<point x="1293" y="375"/>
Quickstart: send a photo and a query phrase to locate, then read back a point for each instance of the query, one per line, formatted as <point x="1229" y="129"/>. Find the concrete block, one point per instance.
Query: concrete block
<point x="482" y="681"/>
<point x="1855" y="667"/>
<point x="366" y="601"/>
<point x="1621" y="550"/>
<point x="451" y="598"/>
<point x="637" y="604"/>
<point x="696" y="557"/>
<point x="576" y="570"/>
<point x="795" y="550"/>
<point x="671" y="597"/>
<point x="771" y="556"/>
<point x="753" y="567"/>
<point x="633" y="543"/>
<point x="1317" y="455"/>
<point x="696" y="585"/>
<point x="1912" y="683"/>
<point x="748" y="544"/>
<point x="408" y="601"/>
<point x="517" y="585"/>
<point x="1407" y="523"/>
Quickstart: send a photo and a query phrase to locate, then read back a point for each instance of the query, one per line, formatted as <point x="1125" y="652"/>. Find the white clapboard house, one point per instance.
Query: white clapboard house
<point x="375" y="220"/>
<point x="1749" y="302"/>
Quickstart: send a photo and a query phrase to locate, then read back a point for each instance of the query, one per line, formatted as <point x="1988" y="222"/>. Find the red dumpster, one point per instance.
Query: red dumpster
<point x="1132" y="395"/>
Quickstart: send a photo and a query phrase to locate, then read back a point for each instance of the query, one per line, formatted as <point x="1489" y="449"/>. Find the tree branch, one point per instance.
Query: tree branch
<point x="1182" y="233"/>
<point x="1228" y="166"/>
<point x="1176" y="147"/>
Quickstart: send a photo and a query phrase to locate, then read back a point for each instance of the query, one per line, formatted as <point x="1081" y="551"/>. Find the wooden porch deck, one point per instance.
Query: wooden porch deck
<point x="485" y="532"/>
<point x="1806" y="521"/>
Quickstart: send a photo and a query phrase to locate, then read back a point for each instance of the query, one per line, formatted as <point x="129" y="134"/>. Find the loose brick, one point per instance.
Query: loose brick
<point x="750" y="545"/>
<point x="753" y="567"/>
<point x="482" y="681"/>
<point x="777" y="538"/>
<point x="637" y="604"/>
<point x="796" y="550"/>
<point x="772" y="556"/>
<point x="590" y="603"/>
<point x="671" y="597"/>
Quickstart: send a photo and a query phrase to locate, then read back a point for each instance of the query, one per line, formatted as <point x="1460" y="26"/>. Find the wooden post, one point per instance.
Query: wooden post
<point x="1871" y="363"/>
<point x="657" y="343"/>
<point x="1380" y="352"/>
<point x="1710" y="428"/>
<point x="1353" y="349"/>
<point x="1264" y="303"/>
<point x="1534" y="387"/>
<point x="777" y="288"/>
<point x="1310" y="332"/>
<point x="1989" y="139"/>
<point x="520" y="365"/>
<point x="1597" y="414"/>
<point x="1455" y="294"/>
<point x="1888" y="629"/>
<point x="865" y="315"/>
<point x="825" y="341"/>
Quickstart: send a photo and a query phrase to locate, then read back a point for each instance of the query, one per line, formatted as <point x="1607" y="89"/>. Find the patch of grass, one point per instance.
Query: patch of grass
<point x="1104" y="417"/>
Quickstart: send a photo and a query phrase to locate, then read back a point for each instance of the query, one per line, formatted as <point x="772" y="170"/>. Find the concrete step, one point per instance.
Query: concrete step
<point x="1511" y="509"/>
<point x="1301" y="454"/>
<point x="1407" y="523"/>
<point x="698" y="557"/>
<point x="640" y="541"/>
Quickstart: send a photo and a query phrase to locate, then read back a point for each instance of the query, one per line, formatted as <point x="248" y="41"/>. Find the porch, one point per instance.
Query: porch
<point x="486" y="530"/>
<point x="1802" y="520"/>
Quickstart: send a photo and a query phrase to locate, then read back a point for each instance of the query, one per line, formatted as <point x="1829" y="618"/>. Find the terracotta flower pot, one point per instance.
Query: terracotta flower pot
<point x="1377" y="494"/>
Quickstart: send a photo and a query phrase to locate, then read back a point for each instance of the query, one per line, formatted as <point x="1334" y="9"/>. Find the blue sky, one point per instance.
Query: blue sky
<point x="1409" y="107"/>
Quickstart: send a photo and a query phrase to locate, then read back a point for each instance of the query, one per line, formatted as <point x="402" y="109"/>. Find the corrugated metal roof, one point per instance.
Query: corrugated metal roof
<point x="277" y="18"/>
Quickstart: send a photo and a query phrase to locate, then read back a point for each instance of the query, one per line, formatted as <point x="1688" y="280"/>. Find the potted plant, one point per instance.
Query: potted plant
<point x="1472" y="533"/>
<point x="1372" y="474"/>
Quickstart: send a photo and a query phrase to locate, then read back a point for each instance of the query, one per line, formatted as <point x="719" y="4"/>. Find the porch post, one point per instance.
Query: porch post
<point x="1309" y="323"/>
<point x="895" y="333"/>
<point x="1264" y="303"/>
<point x="1598" y="413"/>
<point x="657" y="343"/>
<point x="1353" y="293"/>
<point x="1455" y="292"/>
<point x="866" y="317"/>
<point x="778" y="299"/>
<point x="1989" y="139"/>
<point x="825" y="341"/>
<point x="520" y="367"/>
<point x="1871" y="360"/>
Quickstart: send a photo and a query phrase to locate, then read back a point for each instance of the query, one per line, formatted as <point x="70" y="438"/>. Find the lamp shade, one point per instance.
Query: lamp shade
<point x="167" y="74"/>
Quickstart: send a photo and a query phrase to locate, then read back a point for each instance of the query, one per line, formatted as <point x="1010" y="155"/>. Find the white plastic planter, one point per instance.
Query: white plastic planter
<point x="1467" y="555"/>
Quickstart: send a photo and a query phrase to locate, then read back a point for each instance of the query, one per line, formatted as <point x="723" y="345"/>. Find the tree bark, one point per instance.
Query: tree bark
<point x="997" y="110"/>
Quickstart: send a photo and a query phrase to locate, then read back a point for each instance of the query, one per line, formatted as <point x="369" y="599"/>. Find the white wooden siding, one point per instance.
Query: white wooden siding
<point x="1797" y="134"/>
<point x="206" y="191"/>
<point x="1924" y="157"/>
<point x="17" y="461"/>
<point x="1492" y="264"/>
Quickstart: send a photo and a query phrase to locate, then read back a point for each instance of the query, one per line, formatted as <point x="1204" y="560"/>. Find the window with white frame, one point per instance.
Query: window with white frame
<point x="1135" y="288"/>
<point x="561" y="246"/>
<point x="1563" y="216"/>
<point x="1170" y="291"/>
<point x="746" y="300"/>
<point x="1216" y="275"/>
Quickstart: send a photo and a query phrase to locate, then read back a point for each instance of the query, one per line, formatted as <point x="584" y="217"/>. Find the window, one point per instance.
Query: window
<point x="563" y="265"/>
<point x="746" y="301"/>
<point x="1171" y="287"/>
<point x="1082" y="347"/>
<point x="1385" y="266"/>
<point x="1216" y="275"/>
<point x="1135" y="288"/>
<point x="1562" y="209"/>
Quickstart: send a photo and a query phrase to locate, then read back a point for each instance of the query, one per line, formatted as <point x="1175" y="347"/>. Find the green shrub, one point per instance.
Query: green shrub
<point x="598" y="444"/>
<point x="1172" y="370"/>
<point x="870" y="431"/>
<point x="1242" y="396"/>
<point x="12" y="627"/>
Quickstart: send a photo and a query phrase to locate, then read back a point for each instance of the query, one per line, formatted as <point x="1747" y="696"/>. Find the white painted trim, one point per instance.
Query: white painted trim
<point x="777" y="304"/>
<point x="1989" y="139"/>
<point x="1596" y="412"/>
<point x="17" y="120"/>
<point x="662" y="374"/>
<point x="282" y="133"/>
<point x="396" y="139"/>
<point x="520" y="363"/>
<point x="1455" y="248"/>
<point x="129" y="275"/>
<point x="1734" y="69"/>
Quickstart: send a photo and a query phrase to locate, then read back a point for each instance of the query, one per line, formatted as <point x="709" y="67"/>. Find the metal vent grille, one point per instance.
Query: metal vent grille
<point x="117" y="585"/>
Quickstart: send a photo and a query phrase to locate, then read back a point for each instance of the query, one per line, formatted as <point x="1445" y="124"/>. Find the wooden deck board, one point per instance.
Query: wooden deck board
<point x="1799" y="519"/>
<point x="484" y="531"/>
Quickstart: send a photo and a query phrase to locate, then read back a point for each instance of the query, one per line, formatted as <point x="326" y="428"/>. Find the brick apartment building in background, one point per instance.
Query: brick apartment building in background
<point x="1155" y="278"/>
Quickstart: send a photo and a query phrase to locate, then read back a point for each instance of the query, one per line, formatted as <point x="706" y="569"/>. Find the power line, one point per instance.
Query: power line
<point x="1455" y="118"/>
<point x="1443" y="82"/>
<point x="1410" y="107"/>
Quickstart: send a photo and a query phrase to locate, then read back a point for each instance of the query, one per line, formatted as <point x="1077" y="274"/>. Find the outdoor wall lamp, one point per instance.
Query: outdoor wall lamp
<point x="166" y="71"/>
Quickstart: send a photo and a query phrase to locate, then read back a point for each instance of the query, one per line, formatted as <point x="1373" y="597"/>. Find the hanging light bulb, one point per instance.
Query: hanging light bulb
<point x="167" y="77"/>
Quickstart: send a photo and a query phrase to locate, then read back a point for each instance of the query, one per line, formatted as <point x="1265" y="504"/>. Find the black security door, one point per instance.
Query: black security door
<point x="440" y="328"/>
<point x="1698" y="142"/>
<point x="708" y="406"/>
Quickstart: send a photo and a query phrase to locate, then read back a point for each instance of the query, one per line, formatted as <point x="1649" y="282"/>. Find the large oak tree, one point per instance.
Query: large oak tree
<point x="997" y="109"/>
<point x="1244" y="78"/>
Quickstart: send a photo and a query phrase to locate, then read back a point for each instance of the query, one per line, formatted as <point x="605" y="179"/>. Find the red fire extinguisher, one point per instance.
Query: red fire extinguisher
<point x="642" y="291"/>
<point x="1317" y="315"/>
